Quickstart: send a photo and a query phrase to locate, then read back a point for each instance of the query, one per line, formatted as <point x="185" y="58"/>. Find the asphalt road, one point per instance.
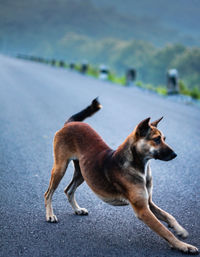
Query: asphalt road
<point x="35" y="101"/>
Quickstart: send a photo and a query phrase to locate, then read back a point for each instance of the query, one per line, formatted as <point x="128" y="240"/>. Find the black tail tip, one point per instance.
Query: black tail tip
<point x="96" y="104"/>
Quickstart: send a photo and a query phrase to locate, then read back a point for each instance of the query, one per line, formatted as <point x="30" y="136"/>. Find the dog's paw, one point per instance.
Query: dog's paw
<point x="52" y="219"/>
<point x="190" y="249"/>
<point x="186" y="248"/>
<point x="179" y="230"/>
<point x="183" y="233"/>
<point x="81" y="211"/>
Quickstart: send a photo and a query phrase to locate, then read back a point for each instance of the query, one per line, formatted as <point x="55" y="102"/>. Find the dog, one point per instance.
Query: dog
<point x="119" y="177"/>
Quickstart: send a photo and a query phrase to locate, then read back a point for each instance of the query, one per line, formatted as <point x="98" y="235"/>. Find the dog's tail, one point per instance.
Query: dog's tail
<point x="87" y="112"/>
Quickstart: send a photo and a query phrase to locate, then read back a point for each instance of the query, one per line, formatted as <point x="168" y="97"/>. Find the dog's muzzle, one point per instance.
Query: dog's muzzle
<point x="165" y="155"/>
<point x="170" y="157"/>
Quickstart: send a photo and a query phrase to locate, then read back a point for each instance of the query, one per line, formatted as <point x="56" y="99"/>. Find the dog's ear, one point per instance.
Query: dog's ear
<point x="155" y="123"/>
<point x="143" y="128"/>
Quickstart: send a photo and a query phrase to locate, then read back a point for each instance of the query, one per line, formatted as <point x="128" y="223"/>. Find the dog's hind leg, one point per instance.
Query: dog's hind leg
<point x="71" y="188"/>
<point x="57" y="173"/>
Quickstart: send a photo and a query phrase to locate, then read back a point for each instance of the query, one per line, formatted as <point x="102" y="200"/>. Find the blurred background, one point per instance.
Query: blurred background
<point x="152" y="36"/>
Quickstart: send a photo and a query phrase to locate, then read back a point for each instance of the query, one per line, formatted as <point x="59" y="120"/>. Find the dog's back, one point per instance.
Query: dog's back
<point x="76" y="134"/>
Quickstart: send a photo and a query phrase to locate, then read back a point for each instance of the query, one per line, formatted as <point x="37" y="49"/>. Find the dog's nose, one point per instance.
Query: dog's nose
<point x="173" y="155"/>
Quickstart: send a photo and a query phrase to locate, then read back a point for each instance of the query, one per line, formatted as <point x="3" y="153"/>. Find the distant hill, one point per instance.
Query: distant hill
<point x="26" y="24"/>
<point x="143" y="34"/>
<point x="150" y="62"/>
<point x="180" y="15"/>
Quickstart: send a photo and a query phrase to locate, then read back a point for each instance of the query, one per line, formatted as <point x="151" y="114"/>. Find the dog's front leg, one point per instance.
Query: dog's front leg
<point x="161" y="214"/>
<point x="143" y="212"/>
<point x="169" y="219"/>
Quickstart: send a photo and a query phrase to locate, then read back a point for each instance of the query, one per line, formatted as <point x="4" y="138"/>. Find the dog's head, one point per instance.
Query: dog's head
<point x="150" y="142"/>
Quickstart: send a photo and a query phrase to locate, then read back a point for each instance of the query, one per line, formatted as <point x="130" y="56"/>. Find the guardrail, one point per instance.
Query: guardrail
<point x="173" y="84"/>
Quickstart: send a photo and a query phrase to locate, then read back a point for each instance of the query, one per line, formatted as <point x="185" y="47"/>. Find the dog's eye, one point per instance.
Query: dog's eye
<point x="157" y="140"/>
<point x="164" y="138"/>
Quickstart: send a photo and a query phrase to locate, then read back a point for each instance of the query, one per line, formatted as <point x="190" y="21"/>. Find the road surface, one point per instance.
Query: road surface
<point x="35" y="101"/>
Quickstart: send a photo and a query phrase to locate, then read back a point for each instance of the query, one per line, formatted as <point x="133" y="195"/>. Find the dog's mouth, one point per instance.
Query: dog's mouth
<point x="164" y="155"/>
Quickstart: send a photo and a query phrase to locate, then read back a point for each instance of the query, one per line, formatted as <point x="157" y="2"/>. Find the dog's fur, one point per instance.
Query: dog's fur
<point x="118" y="177"/>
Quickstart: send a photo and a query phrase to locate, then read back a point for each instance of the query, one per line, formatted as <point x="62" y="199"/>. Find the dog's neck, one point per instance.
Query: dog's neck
<point x="139" y="161"/>
<point x="127" y="156"/>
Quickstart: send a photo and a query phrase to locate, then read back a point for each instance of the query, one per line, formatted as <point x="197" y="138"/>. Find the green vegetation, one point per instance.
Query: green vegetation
<point x="150" y="62"/>
<point x="162" y="90"/>
<point x="92" y="71"/>
<point x="194" y="92"/>
<point x="77" y="67"/>
<point x="118" y="80"/>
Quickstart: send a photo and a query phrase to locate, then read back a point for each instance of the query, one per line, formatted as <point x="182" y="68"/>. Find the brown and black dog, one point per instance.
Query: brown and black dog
<point x="118" y="177"/>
